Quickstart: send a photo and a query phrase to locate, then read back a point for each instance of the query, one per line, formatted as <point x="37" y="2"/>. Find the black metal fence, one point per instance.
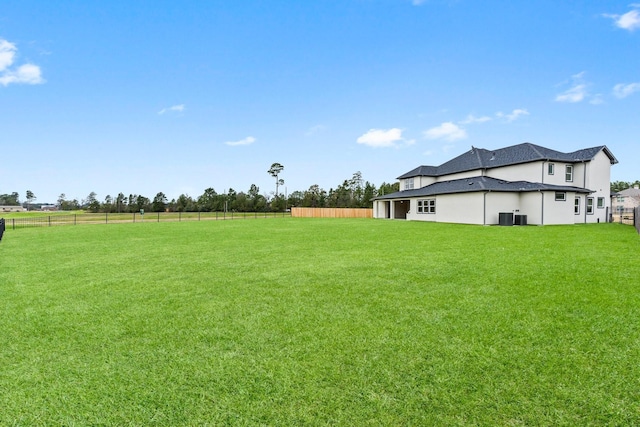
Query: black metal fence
<point x="624" y="216"/>
<point x="112" y="218"/>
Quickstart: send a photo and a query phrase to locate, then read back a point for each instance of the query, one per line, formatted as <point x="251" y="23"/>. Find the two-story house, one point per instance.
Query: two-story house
<point x="534" y="184"/>
<point x="624" y="202"/>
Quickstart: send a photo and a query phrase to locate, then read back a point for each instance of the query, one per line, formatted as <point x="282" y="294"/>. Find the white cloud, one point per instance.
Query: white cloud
<point x="246" y="141"/>
<point x="473" y="119"/>
<point x="25" y="74"/>
<point x="315" y="130"/>
<point x="381" y="137"/>
<point x="629" y="21"/>
<point x="178" y="108"/>
<point x="7" y="53"/>
<point x="623" y="90"/>
<point x="447" y="131"/>
<point x="577" y="92"/>
<point x="596" y="99"/>
<point x="513" y="115"/>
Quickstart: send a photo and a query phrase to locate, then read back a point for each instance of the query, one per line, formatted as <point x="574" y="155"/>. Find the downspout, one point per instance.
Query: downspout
<point x="484" y="208"/>
<point x="542" y="208"/>
<point x="584" y="185"/>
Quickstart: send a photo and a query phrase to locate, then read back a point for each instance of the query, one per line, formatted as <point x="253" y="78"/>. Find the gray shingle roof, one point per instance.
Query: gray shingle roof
<point x="479" y="183"/>
<point x="632" y="192"/>
<point x="480" y="158"/>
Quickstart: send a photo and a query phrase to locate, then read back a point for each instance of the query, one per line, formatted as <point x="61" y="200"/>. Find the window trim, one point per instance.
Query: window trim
<point x="426" y="206"/>
<point x="576" y="205"/>
<point x="568" y="173"/>
<point x="600" y="205"/>
<point x="408" y="184"/>
<point x="561" y="196"/>
<point x="589" y="207"/>
<point x="550" y="168"/>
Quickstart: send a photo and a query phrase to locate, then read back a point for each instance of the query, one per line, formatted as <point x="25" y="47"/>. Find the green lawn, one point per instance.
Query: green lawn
<point x="289" y="321"/>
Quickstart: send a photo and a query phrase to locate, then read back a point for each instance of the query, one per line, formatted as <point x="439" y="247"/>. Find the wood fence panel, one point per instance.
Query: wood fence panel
<point x="331" y="213"/>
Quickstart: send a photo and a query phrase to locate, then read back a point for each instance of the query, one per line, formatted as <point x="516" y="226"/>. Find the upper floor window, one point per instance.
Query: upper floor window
<point x="408" y="184"/>
<point x="568" y="173"/>
<point x="550" y="168"/>
<point x="590" y="205"/>
<point x="600" y="202"/>
<point x="560" y="196"/>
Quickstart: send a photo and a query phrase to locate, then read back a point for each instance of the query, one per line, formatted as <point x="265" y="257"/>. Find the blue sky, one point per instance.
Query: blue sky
<point x="148" y="96"/>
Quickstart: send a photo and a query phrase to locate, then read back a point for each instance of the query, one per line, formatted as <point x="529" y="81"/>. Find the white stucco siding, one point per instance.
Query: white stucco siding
<point x="381" y="209"/>
<point x="531" y="172"/>
<point x="559" y="212"/>
<point x="456" y="208"/>
<point x="531" y="206"/>
<point x="462" y="175"/>
<point x="414" y="215"/>
<point x="598" y="179"/>
<point x="559" y="174"/>
<point x="423" y="181"/>
<point x="499" y="202"/>
<point x="461" y="208"/>
<point x="416" y="182"/>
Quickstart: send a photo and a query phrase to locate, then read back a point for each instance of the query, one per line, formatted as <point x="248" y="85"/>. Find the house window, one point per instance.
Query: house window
<point x="568" y="173"/>
<point x="589" y="205"/>
<point x="576" y="206"/>
<point x="600" y="202"/>
<point x="427" y="206"/>
<point x="550" y="168"/>
<point x="561" y="197"/>
<point x="408" y="184"/>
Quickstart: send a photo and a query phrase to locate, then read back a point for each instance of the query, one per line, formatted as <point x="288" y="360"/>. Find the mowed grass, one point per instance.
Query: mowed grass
<point x="320" y="322"/>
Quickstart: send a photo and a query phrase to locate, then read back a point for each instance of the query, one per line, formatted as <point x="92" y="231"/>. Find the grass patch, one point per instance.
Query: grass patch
<point x="307" y="322"/>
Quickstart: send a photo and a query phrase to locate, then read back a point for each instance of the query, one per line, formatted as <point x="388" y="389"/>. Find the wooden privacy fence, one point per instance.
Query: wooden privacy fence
<point x="332" y="213"/>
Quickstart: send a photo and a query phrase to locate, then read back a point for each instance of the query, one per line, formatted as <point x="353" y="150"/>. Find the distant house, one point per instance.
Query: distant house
<point x="625" y="201"/>
<point x="12" y="208"/>
<point x="529" y="183"/>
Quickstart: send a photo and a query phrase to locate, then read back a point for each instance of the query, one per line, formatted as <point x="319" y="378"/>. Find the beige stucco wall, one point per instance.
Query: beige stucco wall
<point x="485" y="208"/>
<point x="498" y="202"/>
<point x="457" y="208"/>
<point x="559" y="175"/>
<point x="418" y="182"/>
<point x="557" y="212"/>
<point x="523" y="172"/>
<point x="599" y="181"/>
<point x="531" y="206"/>
<point x="460" y="208"/>
<point x="461" y="175"/>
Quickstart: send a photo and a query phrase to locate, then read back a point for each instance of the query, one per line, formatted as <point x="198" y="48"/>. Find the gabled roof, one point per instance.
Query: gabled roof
<point x="632" y="192"/>
<point x="479" y="183"/>
<point x="480" y="158"/>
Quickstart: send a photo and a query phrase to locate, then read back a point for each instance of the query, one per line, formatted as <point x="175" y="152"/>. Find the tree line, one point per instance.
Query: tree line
<point x="352" y="193"/>
<point x="623" y="185"/>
